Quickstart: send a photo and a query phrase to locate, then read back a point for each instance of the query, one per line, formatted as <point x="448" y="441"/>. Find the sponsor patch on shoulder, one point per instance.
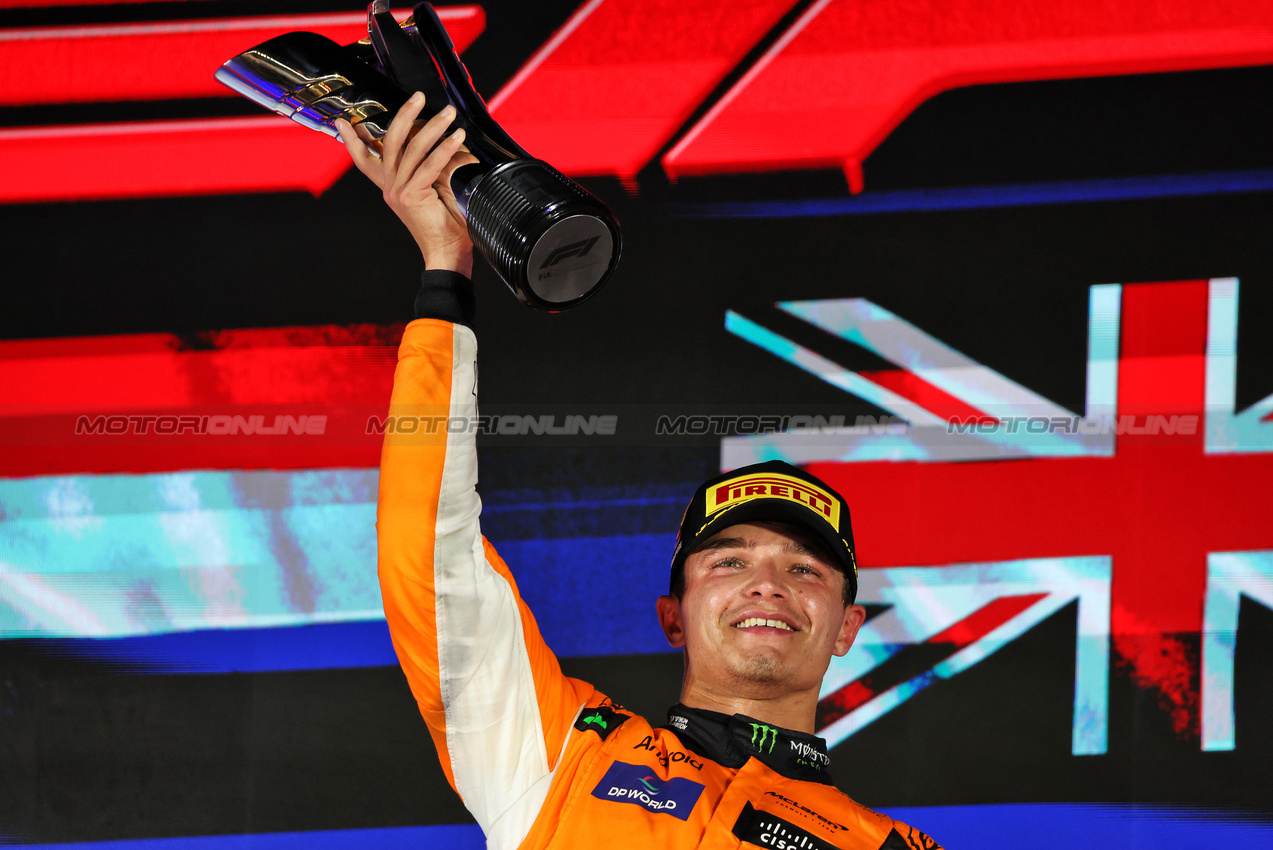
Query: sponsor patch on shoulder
<point x="603" y="720"/>
<point x="774" y="833"/>
<point x="637" y="784"/>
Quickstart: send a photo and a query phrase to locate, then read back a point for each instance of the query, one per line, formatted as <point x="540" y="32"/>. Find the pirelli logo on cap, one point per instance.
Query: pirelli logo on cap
<point x="774" y="485"/>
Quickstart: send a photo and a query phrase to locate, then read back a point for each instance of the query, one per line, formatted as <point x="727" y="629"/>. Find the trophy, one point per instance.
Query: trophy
<point x="551" y="241"/>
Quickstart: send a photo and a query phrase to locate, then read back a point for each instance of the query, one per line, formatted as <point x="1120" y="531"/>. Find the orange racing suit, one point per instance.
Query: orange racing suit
<point x="540" y="759"/>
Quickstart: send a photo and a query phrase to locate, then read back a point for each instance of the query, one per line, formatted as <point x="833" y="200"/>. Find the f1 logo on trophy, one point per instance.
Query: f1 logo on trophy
<point x="553" y="242"/>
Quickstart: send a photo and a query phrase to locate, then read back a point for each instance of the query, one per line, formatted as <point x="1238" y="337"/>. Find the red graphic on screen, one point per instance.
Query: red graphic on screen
<point x="617" y="83"/>
<point x="342" y="372"/>
<point x="618" y="80"/>
<point x="159" y="158"/>
<point x="35" y="4"/>
<point x="836" y="84"/>
<point x="156" y="61"/>
<point x="160" y="60"/>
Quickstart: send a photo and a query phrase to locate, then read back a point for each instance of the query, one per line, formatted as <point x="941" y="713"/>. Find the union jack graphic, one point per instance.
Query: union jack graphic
<point x="1148" y="567"/>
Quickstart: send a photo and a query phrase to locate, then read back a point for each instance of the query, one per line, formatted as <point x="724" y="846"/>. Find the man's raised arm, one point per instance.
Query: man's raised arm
<point x="494" y="697"/>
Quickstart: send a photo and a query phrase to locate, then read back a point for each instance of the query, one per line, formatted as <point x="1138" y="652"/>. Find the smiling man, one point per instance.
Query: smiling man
<point x="761" y="595"/>
<point x="762" y="588"/>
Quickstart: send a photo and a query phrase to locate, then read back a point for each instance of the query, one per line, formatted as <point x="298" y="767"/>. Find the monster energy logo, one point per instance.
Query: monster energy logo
<point x="598" y="719"/>
<point x="764" y="733"/>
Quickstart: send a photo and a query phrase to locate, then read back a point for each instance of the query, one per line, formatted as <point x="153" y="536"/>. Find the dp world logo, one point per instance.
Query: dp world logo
<point x="638" y="785"/>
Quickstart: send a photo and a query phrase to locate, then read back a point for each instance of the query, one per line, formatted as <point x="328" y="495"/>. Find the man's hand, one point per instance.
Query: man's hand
<point x="417" y="183"/>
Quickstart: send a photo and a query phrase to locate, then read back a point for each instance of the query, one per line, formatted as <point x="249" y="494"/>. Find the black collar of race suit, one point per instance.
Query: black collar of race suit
<point x="731" y="740"/>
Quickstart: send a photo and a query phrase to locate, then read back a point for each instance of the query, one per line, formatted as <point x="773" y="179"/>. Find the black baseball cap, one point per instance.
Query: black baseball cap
<point x="773" y="491"/>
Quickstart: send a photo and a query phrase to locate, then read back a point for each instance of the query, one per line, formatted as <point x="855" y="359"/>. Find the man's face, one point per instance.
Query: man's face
<point x="763" y="611"/>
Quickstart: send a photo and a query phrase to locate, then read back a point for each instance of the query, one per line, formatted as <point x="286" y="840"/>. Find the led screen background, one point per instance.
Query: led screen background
<point x="999" y="272"/>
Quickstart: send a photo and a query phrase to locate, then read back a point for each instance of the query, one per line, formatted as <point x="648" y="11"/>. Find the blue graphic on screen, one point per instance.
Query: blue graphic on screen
<point x="1028" y="826"/>
<point x="251" y="571"/>
<point x="994" y="197"/>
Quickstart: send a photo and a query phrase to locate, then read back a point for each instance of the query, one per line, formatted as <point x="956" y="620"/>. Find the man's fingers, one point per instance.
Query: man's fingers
<point x="459" y="159"/>
<point x="417" y="150"/>
<point x="399" y="131"/>
<point x="357" y="148"/>
<point x="430" y="171"/>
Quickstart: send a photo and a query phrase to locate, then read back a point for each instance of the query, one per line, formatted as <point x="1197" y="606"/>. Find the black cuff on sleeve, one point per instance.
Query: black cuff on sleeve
<point x="445" y="295"/>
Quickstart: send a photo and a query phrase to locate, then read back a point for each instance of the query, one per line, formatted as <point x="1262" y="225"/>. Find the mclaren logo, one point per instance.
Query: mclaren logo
<point x="773" y="486"/>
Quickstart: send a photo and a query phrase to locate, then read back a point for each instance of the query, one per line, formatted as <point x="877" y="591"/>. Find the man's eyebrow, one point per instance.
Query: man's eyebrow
<point x="723" y="543"/>
<point x="794" y="546"/>
<point x="799" y="547"/>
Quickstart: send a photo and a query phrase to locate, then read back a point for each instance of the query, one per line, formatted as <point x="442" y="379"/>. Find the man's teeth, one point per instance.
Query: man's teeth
<point x="760" y="621"/>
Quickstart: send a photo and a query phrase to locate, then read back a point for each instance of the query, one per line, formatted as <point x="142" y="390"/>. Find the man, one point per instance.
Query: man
<point x="763" y="581"/>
